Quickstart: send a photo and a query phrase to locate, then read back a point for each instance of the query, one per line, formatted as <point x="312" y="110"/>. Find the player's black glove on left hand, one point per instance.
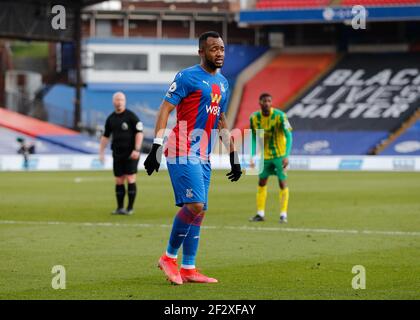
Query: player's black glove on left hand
<point x="236" y="171"/>
<point x="153" y="159"/>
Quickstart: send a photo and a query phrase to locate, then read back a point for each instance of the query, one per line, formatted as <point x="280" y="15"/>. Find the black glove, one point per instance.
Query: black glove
<point x="236" y="171"/>
<point x="153" y="159"/>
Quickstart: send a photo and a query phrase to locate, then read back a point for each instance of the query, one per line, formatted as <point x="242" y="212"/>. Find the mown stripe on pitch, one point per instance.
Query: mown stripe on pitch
<point x="243" y="228"/>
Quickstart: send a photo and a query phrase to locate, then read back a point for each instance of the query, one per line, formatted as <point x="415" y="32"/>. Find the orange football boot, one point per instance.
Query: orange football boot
<point x="170" y="268"/>
<point x="192" y="275"/>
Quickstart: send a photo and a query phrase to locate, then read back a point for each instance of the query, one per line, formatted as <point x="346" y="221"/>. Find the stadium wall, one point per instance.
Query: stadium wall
<point x="315" y="163"/>
<point x="142" y="60"/>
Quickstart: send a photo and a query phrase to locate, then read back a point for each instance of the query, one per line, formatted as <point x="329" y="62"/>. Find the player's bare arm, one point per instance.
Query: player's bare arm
<point x="224" y="133"/>
<point x="153" y="159"/>
<point x="162" y="118"/>
<point x="253" y="147"/>
<point x="102" y="145"/>
<point x="135" y="155"/>
<point x="285" y="162"/>
<point x="289" y="139"/>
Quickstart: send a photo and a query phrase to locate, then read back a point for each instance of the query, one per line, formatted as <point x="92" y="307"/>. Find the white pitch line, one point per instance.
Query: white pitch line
<point x="244" y="228"/>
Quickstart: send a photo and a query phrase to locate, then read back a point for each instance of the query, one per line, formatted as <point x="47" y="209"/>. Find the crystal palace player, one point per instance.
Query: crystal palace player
<point x="200" y="95"/>
<point x="127" y="137"/>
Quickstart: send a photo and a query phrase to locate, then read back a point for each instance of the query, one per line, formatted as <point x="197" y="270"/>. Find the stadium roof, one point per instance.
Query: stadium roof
<point x="31" y="19"/>
<point x="81" y="3"/>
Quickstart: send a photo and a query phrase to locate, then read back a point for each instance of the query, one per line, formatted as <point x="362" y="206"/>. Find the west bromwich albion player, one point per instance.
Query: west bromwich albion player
<point x="200" y="96"/>
<point x="277" y="147"/>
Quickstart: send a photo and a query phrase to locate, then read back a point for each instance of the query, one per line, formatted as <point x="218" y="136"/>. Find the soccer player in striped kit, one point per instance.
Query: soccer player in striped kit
<point x="200" y="95"/>
<point x="277" y="146"/>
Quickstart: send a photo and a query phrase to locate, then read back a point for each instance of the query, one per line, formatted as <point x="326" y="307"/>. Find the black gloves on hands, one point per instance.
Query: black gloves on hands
<point x="236" y="171"/>
<point x="153" y="159"/>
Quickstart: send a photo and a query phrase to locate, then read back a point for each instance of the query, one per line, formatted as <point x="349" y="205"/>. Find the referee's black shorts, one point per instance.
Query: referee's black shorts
<point x="123" y="165"/>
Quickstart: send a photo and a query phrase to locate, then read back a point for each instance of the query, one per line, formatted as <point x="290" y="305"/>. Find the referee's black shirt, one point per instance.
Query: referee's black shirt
<point x="123" y="126"/>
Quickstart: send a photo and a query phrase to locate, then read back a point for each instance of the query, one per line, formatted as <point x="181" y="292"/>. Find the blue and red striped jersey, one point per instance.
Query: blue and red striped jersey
<point x="200" y="97"/>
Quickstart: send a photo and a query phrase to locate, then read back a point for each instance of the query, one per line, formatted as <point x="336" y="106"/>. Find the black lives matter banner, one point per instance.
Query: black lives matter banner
<point x="363" y="92"/>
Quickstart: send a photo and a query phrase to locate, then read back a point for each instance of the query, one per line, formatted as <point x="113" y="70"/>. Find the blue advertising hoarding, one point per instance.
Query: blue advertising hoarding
<point x="327" y="15"/>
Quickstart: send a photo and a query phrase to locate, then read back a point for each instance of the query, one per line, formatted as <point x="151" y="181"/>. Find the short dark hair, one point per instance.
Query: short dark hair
<point x="204" y="36"/>
<point x="264" y="95"/>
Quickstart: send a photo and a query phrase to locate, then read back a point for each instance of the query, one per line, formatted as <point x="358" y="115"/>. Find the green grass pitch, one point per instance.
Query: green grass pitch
<point x="336" y="220"/>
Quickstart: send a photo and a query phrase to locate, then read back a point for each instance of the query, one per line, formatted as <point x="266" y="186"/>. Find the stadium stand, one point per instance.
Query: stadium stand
<point x="284" y="77"/>
<point x="406" y="144"/>
<point x="10" y="146"/>
<point x="335" y="142"/>
<point x="30" y="126"/>
<point x="54" y="138"/>
<point x="238" y="57"/>
<point x="363" y="99"/>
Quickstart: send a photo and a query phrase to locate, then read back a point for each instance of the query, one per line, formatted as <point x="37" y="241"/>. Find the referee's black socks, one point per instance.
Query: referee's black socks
<point x="120" y="194"/>
<point x="132" y="191"/>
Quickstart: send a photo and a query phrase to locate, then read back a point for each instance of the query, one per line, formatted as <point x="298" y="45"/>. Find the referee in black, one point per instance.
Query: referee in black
<point x="127" y="137"/>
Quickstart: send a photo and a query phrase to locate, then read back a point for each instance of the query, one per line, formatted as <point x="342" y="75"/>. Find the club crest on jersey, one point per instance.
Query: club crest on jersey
<point x="124" y="126"/>
<point x="189" y="193"/>
<point x="222" y="87"/>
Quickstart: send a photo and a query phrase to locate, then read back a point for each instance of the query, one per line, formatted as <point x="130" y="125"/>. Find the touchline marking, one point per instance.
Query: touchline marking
<point x="244" y="228"/>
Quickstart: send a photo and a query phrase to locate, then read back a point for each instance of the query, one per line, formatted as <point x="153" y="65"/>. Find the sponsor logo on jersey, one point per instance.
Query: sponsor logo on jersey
<point x="206" y="82"/>
<point x="215" y="110"/>
<point x="216" y="96"/>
